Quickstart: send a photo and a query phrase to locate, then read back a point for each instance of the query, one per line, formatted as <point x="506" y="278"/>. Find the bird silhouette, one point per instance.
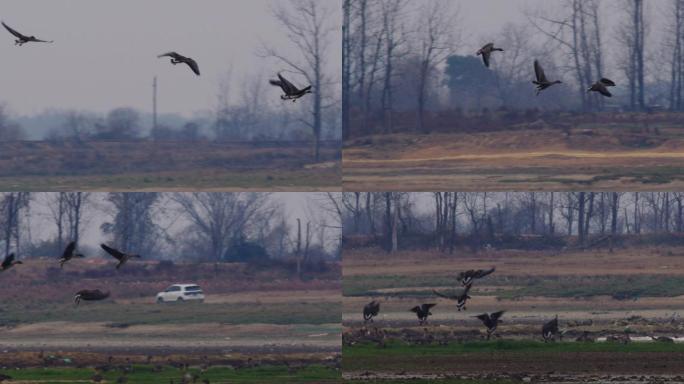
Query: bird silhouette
<point x="491" y="321"/>
<point x="550" y="329"/>
<point x="23" y="39"/>
<point x="9" y="262"/>
<point x="542" y="82"/>
<point x="177" y="58"/>
<point x="69" y="253"/>
<point x="88" y="295"/>
<point x="422" y="312"/>
<point x="601" y="87"/>
<point x="467" y="277"/>
<point x="370" y="310"/>
<point x="461" y="296"/>
<point x="291" y="91"/>
<point x="486" y="53"/>
<point x="122" y="257"/>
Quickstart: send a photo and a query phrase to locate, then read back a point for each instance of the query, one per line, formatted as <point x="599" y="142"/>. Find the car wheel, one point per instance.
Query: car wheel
<point x="160" y="300"/>
<point x="179" y="299"/>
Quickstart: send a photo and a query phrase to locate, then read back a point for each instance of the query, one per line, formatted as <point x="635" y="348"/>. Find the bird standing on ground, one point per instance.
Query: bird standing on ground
<point x="177" y="58"/>
<point x="542" y="82"/>
<point x="467" y="277"/>
<point x="9" y="262"/>
<point x="486" y="52"/>
<point x="370" y="310"/>
<point x="291" y="91"/>
<point x="23" y="39"/>
<point x="422" y="312"/>
<point x="491" y="321"/>
<point x="601" y="87"/>
<point x="69" y="253"/>
<point x="460" y="295"/>
<point x="88" y="295"/>
<point x="550" y="330"/>
<point x="122" y="257"/>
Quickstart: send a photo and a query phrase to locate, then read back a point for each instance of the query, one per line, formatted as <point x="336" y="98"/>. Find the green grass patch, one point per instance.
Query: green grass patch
<point x="146" y="375"/>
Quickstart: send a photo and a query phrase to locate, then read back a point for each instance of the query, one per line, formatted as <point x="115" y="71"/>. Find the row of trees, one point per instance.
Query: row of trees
<point x="443" y="217"/>
<point x="181" y="226"/>
<point x="403" y="57"/>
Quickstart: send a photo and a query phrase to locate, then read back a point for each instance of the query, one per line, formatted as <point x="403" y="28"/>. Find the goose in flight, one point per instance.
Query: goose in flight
<point x="491" y="321"/>
<point x="23" y="39"/>
<point x="122" y="257"/>
<point x="88" y="295"/>
<point x="467" y="277"/>
<point x="601" y="87"/>
<point x="486" y="52"/>
<point x="370" y="310"/>
<point x="542" y="82"/>
<point x="178" y="59"/>
<point x="460" y="296"/>
<point x="69" y="253"/>
<point x="291" y="91"/>
<point x="9" y="262"/>
<point x="422" y="312"/>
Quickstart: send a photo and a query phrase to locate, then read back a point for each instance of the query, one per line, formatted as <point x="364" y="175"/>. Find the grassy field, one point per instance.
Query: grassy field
<point x="606" y="157"/>
<point x="147" y="375"/>
<point x="143" y="165"/>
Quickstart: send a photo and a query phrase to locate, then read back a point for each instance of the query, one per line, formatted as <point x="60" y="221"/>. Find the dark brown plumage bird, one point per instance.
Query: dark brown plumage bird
<point x="486" y="53"/>
<point x="460" y="296"/>
<point x="371" y="310"/>
<point x="122" y="257"/>
<point x="601" y="87"/>
<point x="467" y="277"/>
<point x="23" y="39"/>
<point x="550" y="330"/>
<point x="88" y="295"/>
<point x="9" y="262"/>
<point x="291" y="91"/>
<point x="491" y="321"/>
<point x="69" y="253"/>
<point x="422" y="312"/>
<point x="542" y="82"/>
<point x="177" y="58"/>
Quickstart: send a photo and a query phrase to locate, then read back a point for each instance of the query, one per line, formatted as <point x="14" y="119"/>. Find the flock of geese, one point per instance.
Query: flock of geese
<point x="491" y="321"/>
<point x="541" y="81"/>
<point x="70" y="253"/>
<point x="290" y="91"/>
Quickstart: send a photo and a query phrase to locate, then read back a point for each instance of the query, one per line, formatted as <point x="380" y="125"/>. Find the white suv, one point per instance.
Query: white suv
<point x="181" y="292"/>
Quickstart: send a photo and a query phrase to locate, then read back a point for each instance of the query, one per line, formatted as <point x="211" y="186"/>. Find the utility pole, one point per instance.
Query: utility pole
<point x="154" y="103"/>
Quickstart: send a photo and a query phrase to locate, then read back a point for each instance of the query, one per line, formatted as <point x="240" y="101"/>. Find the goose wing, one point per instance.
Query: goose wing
<point x="485" y="58"/>
<point x="287" y="86"/>
<point x="496" y="316"/>
<point x="14" y="32"/>
<point x="426" y="307"/>
<point x="484" y="318"/>
<point x="172" y="55"/>
<point x="446" y="296"/>
<point x="607" y="82"/>
<point x="480" y="273"/>
<point x="115" y="253"/>
<point x="69" y="250"/>
<point x="539" y="72"/>
<point x="42" y="41"/>
<point x="193" y="65"/>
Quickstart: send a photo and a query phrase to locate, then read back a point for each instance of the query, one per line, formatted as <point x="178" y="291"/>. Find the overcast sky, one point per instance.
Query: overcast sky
<point x="104" y="55"/>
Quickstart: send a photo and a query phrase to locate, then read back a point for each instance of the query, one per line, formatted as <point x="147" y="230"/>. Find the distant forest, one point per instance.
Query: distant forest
<point x="445" y="220"/>
<point x="403" y="71"/>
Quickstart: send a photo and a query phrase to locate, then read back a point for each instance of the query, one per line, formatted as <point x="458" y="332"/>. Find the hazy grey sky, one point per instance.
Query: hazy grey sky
<point x="104" y="55"/>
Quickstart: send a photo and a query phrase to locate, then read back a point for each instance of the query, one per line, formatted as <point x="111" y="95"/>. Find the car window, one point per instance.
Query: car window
<point x="193" y="288"/>
<point x="173" y="288"/>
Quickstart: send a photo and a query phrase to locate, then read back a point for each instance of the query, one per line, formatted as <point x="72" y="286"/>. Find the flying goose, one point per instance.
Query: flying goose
<point x="491" y="321"/>
<point x="550" y="330"/>
<point x="9" y="262"/>
<point x="122" y="257"/>
<point x="88" y="295"/>
<point x="370" y="310"/>
<point x="178" y="59"/>
<point x="486" y="52"/>
<point x="460" y="295"/>
<point x="23" y="39"/>
<point x="422" y="312"/>
<point x="542" y="82"/>
<point x="467" y="277"/>
<point x="291" y="91"/>
<point x="601" y="87"/>
<point x="69" y="253"/>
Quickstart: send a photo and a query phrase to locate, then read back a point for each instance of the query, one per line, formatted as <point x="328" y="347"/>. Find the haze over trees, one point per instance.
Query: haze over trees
<point x="446" y="220"/>
<point x="410" y="67"/>
<point x="184" y="227"/>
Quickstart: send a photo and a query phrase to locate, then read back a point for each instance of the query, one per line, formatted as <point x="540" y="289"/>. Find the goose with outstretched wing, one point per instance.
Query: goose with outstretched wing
<point x="177" y="58"/>
<point x="23" y="39"/>
<point x="291" y="92"/>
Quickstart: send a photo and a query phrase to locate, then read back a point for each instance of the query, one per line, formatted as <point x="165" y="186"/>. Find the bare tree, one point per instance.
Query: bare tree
<point x="134" y="226"/>
<point x="632" y="35"/>
<point x="9" y="130"/>
<point x="309" y="27"/>
<point x="67" y="210"/>
<point x="12" y="204"/>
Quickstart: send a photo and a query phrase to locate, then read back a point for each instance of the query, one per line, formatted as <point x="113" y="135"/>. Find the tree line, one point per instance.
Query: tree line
<point x="446" y="219"/>
<point x="191" y="227"/>
<point x="402" y="60"/>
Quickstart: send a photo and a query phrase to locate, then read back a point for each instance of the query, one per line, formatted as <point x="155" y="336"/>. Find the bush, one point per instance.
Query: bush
<point x="243" y="251"/>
